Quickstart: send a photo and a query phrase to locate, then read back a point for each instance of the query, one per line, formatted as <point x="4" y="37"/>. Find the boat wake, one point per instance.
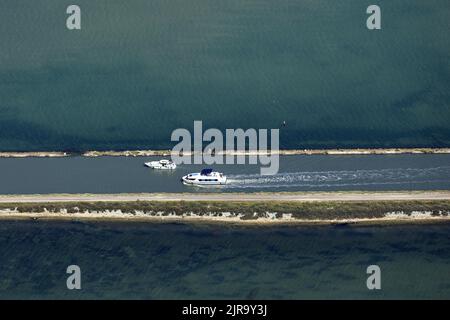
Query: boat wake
<point x="330" y="179"/>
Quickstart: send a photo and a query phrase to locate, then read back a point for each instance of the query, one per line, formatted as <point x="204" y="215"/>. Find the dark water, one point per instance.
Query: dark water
<point x="297" y="173"/>
<point x="158" y="261"/>
<point x="139" y="69"/>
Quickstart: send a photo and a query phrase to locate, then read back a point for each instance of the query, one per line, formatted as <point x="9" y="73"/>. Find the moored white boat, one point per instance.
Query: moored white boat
<point x="205" y="177"/>
<point x="161" y="164"/>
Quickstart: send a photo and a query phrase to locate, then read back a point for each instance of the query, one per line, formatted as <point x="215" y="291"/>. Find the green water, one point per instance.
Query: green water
<point x="176" y="261"/>
<point x="139" y="69"/>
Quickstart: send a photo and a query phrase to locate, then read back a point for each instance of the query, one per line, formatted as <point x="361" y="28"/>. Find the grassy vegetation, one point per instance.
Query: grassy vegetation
<point x="249" y="210"/>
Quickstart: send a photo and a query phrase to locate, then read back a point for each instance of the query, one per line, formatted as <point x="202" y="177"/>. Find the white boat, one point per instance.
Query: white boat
<point x="161" y="165"/>
<point x="205" y="177"/>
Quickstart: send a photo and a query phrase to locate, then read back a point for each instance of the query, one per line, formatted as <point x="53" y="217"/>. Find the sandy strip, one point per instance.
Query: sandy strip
<point x="165" y="153"/>
<point x="262" y="196"/>
<point x="126" y="217"/>
<point x="49" y="154"/>
<point x="358" y="151"/>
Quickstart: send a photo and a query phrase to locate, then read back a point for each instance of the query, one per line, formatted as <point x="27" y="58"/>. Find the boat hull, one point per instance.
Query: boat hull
<point x="157" y="165"/>
<point x="197" y="181"/>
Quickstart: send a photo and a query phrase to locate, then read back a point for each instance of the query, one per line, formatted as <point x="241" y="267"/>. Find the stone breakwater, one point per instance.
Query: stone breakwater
<point x="268" y="218"/>
<point x="33" y="154"/>
<point x="165" y="153"/>
<point x="288" y="212"/>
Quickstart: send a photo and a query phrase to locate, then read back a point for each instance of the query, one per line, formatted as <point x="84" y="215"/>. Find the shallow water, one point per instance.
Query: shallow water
<point x="138" y="69"/>
<point x="160" y="261"/>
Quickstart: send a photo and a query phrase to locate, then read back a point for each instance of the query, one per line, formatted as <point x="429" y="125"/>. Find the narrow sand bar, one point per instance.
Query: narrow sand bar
<point x="126" y="217"/>
<point x="165" y="153"/>
<point x="262" y="196"/>
<point x="290" y="208"/>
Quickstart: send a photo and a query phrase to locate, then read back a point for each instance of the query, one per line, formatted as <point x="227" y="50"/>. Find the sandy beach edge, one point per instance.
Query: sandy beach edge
<point x="165" y="153"/>
<point x="236" y="208"/>
<point x="126" y="217"/>
<point x="282" y="208"/>
<point x="300" y="196"/>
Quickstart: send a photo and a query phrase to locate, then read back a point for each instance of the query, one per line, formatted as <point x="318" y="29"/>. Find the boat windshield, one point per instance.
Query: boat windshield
<point x="206" y="172"/>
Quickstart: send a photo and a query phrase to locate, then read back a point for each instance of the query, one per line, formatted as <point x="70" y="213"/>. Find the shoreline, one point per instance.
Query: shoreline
<point x="236" y="208"/>
<point x="223" y="221"/>
<point x="306" y="196"/>
<point x="165" y="153"/>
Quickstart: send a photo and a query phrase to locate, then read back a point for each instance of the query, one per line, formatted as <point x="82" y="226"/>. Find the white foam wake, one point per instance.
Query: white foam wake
<point x="312" y="179"/>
